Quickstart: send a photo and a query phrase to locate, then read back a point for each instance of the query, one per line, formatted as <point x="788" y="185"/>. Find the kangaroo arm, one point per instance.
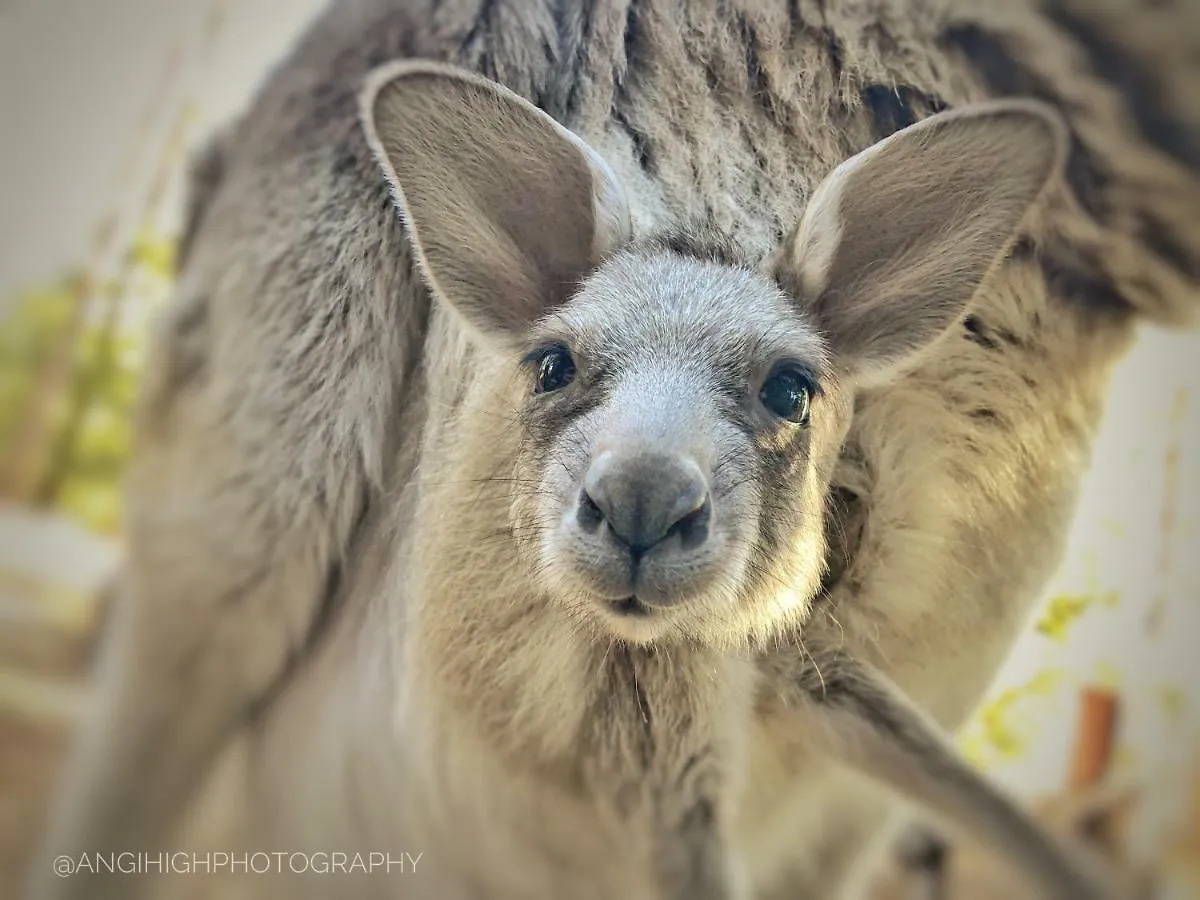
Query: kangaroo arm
<point x="857" y="716"/>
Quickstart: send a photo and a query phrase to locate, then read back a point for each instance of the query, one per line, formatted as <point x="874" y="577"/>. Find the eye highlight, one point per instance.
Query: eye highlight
<point x="788" y="393"/>
<point x="555" y="369"/>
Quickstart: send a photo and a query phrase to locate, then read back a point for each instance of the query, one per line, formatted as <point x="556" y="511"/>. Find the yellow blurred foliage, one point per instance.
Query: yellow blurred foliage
<point x="998" y="729"/>
<point x="77" y="421"/>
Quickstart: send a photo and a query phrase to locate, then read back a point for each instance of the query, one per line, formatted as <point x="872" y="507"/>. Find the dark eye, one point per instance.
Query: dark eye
<point x="556" y="370"/>
<point x="788" y="393"/>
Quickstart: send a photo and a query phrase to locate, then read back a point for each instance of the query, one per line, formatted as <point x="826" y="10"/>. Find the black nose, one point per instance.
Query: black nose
<point x="645" y="499"/>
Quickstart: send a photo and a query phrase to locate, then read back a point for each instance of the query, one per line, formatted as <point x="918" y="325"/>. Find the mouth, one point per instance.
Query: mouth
<point x="630" y="607"/>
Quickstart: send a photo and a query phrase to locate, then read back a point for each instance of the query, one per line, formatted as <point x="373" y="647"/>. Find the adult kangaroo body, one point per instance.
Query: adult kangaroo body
<point x="301" y="474"/>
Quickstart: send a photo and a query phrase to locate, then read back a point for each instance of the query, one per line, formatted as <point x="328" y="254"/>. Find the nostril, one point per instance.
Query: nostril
<point x="692" y="527"/>
<point x="588" y="513"/>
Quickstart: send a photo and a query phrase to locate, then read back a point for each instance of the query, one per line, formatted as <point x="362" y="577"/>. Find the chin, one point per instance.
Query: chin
<point x="637" y="628"/>
<point x="696" y="620"/>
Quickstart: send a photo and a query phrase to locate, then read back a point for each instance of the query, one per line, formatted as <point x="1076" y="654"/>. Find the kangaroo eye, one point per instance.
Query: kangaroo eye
<point x="555" y="370"/>
<point x="788" y="394"/>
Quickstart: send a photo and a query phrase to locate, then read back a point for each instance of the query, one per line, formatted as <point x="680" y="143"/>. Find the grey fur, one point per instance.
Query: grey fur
<point x="859" y="718"/>
<point x="305" y="399"/>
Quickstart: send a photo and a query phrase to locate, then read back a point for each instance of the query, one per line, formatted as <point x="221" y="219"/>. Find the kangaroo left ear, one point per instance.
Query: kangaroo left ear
<point x="505" y="208"/>
<point x="895" y="242"/>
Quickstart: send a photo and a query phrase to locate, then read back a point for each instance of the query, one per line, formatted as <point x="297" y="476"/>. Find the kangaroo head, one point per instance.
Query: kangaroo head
<point x="682" y="406"/>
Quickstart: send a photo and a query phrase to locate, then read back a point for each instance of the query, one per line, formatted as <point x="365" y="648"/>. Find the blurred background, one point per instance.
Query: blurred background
<point x="101" y="101"/>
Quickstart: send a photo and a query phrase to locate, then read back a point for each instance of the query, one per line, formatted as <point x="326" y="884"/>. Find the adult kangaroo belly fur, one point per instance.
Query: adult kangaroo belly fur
<point x="553" y="390"/>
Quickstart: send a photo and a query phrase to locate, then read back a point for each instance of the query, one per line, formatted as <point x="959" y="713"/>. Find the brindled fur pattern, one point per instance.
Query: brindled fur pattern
<point x="303" y="387"/>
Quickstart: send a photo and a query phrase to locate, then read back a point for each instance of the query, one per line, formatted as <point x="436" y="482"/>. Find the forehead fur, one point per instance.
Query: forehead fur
<point x="689" y="296"/>
<point x="700" y="240"/>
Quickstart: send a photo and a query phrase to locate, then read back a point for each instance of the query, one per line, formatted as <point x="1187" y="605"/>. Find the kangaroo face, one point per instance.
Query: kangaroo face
<point x="680" y="419"/>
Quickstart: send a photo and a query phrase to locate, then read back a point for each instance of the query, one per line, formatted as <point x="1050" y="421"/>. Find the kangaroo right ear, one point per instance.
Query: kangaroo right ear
<point x="506" y="209"/>
<point x="895" y="241"/>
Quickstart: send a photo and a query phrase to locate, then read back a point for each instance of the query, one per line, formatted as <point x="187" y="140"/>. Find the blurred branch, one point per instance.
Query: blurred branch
<point x="90" y="380"/>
